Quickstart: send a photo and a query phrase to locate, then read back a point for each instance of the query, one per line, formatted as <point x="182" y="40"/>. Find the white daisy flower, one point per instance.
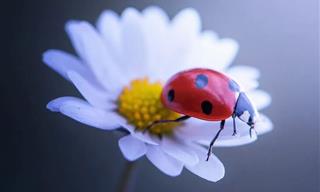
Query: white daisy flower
<point x="120" y="69"/>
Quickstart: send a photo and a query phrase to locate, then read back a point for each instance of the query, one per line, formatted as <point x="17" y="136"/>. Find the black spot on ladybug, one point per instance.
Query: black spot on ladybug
<point x="206" y="107"/>
<point x="234" y="86"/>
<point x="171" y="95"/>
<point x="201" y="81"/>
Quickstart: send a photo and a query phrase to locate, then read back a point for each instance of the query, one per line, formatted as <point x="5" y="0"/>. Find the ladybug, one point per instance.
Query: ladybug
<point x="208" y="95"/>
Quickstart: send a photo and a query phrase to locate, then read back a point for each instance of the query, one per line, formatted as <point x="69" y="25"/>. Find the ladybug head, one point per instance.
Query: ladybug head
<point x="245" y="110"/>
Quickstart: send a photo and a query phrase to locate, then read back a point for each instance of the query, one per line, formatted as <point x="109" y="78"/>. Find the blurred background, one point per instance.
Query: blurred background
<point x="50" y="152"/>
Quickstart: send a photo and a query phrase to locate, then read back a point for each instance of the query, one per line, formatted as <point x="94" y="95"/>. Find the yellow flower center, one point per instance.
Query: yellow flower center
<point x="140" y="104"/>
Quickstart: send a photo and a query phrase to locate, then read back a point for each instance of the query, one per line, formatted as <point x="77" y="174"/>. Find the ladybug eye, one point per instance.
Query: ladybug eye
<point x="171" y="95"/>
<point x="206" y="107"/>
<point x="201" y="81"/>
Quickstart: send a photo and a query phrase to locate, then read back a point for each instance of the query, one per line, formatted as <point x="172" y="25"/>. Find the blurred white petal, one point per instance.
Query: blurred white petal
<point x="187" y="22"/>
<point x="260" y="99"/>
<point x="83" y="112"/>
<point x="163" y="161"/>
<point x="156" y="31"/>
<point x="184" y="32"/>
<point x="179" y="150"/>
<point x="212" y="170"/>
<point x="132" y="148"/>
<point x="242" y="70"/>
<point x="245" y="76"/>
<point x="210" y="52"/>
<point x="92" y="50"/>
<point x="94" y="95"/>
<point x="133" y="44"/>
<point x="63" y="62"/>
<point x="264" y="125"/>
<point x="145" y="137"/>
<point x="109" y="27"/>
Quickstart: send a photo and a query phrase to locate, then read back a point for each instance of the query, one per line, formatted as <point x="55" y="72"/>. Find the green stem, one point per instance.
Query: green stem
<point x="127" y="180"/>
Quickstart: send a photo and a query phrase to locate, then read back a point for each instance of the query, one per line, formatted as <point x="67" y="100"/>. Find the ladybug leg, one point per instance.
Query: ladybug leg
<point x="214" y="139"/>
<point x="234" y="124"/>
<point x="252" y="129"/>
<point x="182" y="118"/>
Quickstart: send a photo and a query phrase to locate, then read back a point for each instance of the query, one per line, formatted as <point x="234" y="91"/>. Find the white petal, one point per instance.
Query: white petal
<point x="81" y="111"/>
<point x="184" y="31"/>
<point x="225" y="51"/>
<point x="163" y="161"/>
<point x="145" y="137"/>
<point x="247" y="85"/>
<point x="92" y="50"/>
<point x="204" y="131"/>
<point x="187" y="21"/>
<point x="263" y="125"/>
<point x="133" y="44"/>
<point x="132" y="148"/>
<point x="109" y="27"/>
<point x="210" y="52"/>
<point x="249" y="72"/>
<point x="212" y="170"/>
<point x="261" y="99"/>
<point x="237" y="140"/>
<point x="63" y="62"/>
<point x="96" y="96"/>
<point x="154" y="11"/>
<point x="196" y="129"/>
<point x="245" y="76"/>
<point x="179" y="150"/>
<point x="156" y="31"/>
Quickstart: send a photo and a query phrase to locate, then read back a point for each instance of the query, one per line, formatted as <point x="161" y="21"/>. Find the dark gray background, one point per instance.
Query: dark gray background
<point x="49" y="152"/>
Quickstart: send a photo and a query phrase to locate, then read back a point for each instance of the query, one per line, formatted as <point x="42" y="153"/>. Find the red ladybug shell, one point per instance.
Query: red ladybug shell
<point x="201" y="93"/>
